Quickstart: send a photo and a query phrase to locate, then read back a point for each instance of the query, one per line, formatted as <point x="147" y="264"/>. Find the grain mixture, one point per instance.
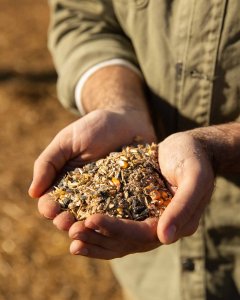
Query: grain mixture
<point x="125" y="184"/>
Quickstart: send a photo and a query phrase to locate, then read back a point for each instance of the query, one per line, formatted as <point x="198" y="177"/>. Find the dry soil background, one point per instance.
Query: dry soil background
<point x="34" y="260"/>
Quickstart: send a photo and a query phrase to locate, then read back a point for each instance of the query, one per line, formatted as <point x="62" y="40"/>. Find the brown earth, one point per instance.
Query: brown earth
<point x="35" y="263"/>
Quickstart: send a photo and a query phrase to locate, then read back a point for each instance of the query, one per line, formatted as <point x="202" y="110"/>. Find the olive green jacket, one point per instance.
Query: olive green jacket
<point x="189" y="54"/>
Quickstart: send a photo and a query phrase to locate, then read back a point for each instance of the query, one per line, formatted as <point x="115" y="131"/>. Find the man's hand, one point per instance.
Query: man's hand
<point x="187" y="167"/>
<point x="88" y="139"/>
<point x="117" y="113"/>
<point x="188" y="161"/>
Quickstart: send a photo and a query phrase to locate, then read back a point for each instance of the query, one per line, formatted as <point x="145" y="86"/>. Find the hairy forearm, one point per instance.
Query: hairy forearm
<point x="114" y="88"/>
<point x="222" y="142"/>
<point x="119" y="91"/>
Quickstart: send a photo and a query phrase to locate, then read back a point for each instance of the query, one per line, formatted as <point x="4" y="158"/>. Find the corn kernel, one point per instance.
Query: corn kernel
<point x="164" y="195"/>
<point x="123" y="164"/>
<point x="155" y="195"/>
<point x="119" y="210"/>
<point x="116" y="181"/>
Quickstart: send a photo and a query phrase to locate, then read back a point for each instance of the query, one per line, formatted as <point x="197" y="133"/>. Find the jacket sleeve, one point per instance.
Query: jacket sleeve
<point x="82" y="34"/>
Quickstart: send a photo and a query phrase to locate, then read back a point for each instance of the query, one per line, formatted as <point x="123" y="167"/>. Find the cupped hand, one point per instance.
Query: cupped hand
<point x="89" y="138"/>
<point x="186" y="165"/>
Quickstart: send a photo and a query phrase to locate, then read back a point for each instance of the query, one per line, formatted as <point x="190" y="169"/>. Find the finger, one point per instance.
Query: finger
<point x="50" y="162"/>
<point x="79" y="232"/>
<point x="48" y="207"/>
<point x="192" y="225"/>
<point x="179" y="211"/>
<point x="64" y="221"/>
<point x="81" y="248"/>
<point x="127" y="229"/>
<point x="77" y="228"/>
<point x="118" y="240"/>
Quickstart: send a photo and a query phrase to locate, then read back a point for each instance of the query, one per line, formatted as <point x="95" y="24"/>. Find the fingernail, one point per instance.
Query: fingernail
<point x="54" y="221"/>
<point x="171" y="232"/>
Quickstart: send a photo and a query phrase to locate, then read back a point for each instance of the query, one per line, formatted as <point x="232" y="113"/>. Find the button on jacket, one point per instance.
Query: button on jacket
<point x="189" y="54"/>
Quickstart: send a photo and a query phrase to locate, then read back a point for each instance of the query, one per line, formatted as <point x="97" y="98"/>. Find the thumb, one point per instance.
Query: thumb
<point x="178" y="213"/>
<point x="50" y="162"/>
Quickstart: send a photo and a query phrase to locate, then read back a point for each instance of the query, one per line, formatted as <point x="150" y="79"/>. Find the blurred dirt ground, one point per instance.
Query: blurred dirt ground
<point x="34" y="258"/>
